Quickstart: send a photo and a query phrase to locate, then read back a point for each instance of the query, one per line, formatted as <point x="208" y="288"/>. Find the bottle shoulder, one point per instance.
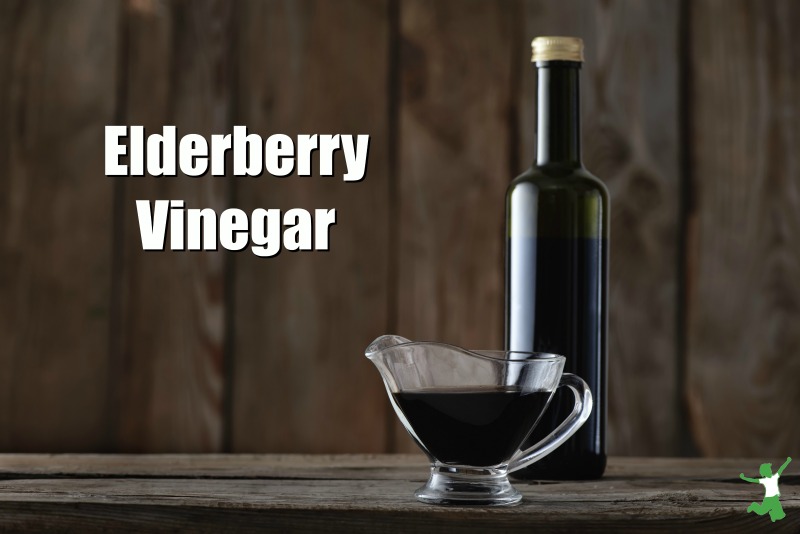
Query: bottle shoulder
<point x="560" y="178"/>
<point x="565" y="202"/>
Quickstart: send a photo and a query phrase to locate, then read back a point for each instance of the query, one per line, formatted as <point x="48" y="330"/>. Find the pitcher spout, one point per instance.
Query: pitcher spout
<point x="383" y="353"/>
<point x="382" y="343"/>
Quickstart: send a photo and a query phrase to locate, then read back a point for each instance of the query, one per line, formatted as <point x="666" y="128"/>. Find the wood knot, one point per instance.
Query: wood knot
<point x="607" y="152"/>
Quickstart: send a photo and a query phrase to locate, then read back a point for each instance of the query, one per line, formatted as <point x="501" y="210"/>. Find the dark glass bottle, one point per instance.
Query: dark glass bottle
<point x="557" y="265"/>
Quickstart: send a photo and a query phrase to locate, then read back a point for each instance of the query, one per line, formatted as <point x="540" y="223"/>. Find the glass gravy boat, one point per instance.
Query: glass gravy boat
<point x="470" y="411"/>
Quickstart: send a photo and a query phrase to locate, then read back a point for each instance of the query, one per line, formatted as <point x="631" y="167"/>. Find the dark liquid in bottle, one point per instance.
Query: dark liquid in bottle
<point x="567" y="317"/>
<point x="475" y="427"/>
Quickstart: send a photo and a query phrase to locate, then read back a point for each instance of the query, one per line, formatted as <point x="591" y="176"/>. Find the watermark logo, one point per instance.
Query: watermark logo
<point x="771" y="504"/>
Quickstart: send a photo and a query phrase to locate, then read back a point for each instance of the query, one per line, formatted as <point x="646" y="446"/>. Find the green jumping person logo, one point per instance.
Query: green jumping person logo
<point x="771" y="504"/>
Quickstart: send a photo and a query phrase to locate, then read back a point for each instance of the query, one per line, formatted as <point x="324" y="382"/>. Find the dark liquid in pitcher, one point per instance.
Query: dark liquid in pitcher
<point x="475" y="427"/>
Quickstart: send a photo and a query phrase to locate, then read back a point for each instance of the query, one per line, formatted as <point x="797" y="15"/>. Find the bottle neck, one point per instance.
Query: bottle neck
<point x="558" y="128"/>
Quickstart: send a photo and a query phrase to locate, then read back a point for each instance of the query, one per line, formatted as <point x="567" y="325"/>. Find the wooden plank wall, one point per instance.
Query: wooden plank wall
<point x="58" y="91"/>
<point x="302" y="321"/>
<point x="744" y="251"/>
<point x="689" y="114"/>
<point x="169" y="329"/>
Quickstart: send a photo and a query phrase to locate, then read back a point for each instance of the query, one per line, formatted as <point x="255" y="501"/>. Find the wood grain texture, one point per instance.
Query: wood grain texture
<point x="629" y="86"/>
<point x="245" y="466"/>
<point x="307" y="493"/>
<point x="744" y="230"/>
<point x="303" y="319"/>
<point x="453" y="168"/>
<point x="328" y="466"/>
<point x="56" y="93"/>
<point x="169" y="346"/>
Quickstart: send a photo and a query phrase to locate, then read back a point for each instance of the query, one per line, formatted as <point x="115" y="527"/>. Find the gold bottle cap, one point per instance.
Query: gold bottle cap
<point x="557" y="49"/>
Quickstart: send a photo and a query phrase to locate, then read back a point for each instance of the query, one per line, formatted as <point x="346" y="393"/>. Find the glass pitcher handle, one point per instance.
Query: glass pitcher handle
<point x="570" y="425"/>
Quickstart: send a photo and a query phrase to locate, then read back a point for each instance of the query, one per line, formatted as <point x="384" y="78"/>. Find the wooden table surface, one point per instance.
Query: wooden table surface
<point x="367" y="493"/>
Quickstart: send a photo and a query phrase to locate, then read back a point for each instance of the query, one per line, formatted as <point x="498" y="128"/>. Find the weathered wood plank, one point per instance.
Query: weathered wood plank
<point x="630" y="140"/>
<point x="556" y="517"/>
<point x="295" y="466"/>
<point x="303" y="319"/>
<point x="338" y="466"/>
<point x="169" y="345"/>
<point x="453" y="169"/>
<point x="387" y="495"/>
<point x="57" y="72"/>
<point x="744" y="243"/>
<point x="691" y="495"/>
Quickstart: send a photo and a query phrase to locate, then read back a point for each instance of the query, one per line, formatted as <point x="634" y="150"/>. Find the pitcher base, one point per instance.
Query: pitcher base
<point x="458" y="486"/>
